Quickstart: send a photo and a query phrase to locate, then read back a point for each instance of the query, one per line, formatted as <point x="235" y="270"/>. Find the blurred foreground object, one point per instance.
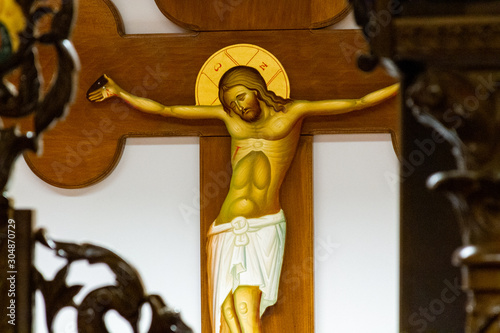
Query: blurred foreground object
<point x="447" y="54"/>
<point x="26" y="26"/>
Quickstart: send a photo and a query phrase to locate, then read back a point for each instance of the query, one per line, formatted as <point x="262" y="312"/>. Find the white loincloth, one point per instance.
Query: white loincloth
<point x="246" y="252"/>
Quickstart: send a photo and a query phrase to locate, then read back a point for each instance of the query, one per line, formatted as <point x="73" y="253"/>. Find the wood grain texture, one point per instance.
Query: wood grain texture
<point x="233" y="15"/>
<point x="294" y="311"/>
<point x="86" y="147"/>
<point x="325" y="13"/>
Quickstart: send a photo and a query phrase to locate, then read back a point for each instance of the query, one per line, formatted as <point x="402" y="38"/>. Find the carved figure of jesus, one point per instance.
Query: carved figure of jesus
<point x="246" y="242"/>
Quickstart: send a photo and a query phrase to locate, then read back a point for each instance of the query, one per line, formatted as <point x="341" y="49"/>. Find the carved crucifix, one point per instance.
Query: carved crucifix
<point x="320" y="66"/>
<point x="246" y="241"/>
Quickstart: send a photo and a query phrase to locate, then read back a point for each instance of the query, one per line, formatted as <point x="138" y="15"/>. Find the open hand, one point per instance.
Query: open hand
<point x="102" y="89"/>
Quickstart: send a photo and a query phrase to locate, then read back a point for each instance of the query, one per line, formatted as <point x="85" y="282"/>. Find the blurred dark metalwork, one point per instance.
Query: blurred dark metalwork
<point x="31" y="24"/>
<point x="447" y="55"/>
<point x="126" y="296"/>
<point x="22" y="94"/>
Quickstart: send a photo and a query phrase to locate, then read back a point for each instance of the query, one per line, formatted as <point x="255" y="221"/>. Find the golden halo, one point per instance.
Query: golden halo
<point x="207" y="82"/>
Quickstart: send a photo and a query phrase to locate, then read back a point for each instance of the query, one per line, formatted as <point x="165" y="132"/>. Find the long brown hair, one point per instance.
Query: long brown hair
<point x="251" y="79"/>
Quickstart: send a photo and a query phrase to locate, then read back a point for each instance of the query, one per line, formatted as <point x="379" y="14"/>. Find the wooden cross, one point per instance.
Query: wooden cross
<point x="321" y="64"/>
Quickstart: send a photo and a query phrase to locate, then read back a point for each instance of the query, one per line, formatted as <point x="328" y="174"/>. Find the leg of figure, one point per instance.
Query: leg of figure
<point x="247" y="305"/>
<point x="230" y="320"/>
<point x="223" y="325"/>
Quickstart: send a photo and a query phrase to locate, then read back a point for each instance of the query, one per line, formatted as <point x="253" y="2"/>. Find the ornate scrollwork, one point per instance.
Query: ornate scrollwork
<point x="419" y="38"/>
<point x="126" y="296"/>
<point x="24" y="25"/>
<point x="457" y="107"/>
<point x="442" y="49"/>
<point x="448" y="102"/>
<point x="11" y="145"/>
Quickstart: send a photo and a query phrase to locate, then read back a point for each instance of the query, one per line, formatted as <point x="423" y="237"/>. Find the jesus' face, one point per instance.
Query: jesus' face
<point x="244" y="103"/>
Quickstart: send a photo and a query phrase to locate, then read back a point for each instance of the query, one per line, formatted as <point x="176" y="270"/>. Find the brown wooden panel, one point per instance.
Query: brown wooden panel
<point x="225" y="15"/>
<point x="294" y="311"/>
<point x="85" y="148"/>
<point x="325" y="13"/>
<point x="371" y="120"/>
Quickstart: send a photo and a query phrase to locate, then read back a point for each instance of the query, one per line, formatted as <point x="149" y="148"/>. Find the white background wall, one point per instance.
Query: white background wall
<point x="140" y="212"/>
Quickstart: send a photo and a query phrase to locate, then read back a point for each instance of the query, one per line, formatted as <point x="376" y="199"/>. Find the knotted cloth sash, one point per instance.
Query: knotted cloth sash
<point x="245" y="252"/>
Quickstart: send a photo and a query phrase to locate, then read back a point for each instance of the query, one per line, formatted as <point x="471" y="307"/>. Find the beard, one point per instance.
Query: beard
<point x="252" y="113"/>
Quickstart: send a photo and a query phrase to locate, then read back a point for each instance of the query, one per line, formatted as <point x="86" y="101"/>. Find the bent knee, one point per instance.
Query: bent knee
<point x="228" y="312"/>
<point x="243" y="308"/>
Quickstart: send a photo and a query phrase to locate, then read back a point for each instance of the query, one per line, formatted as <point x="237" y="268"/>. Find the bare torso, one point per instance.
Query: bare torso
<point x="263" y="140"/>
<point x="259" y="164"/>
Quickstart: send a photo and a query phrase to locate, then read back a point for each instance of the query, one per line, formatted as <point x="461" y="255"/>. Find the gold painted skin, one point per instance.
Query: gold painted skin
<point x="261" y="149"/>
<point x="263" y="144"/>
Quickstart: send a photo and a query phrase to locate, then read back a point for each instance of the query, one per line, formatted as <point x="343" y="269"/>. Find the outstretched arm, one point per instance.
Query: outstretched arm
<point x="105" y="88"/>
<point x="339" y="106"/>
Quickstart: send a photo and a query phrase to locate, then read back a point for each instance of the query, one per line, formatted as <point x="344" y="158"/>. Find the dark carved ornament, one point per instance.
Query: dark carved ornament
<point x="27" y="26"/>
<point x="127" y="296"/>
<point x="465" y="113"/>
<point x="447" y="54"/>
<point x="416" y="38"/>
